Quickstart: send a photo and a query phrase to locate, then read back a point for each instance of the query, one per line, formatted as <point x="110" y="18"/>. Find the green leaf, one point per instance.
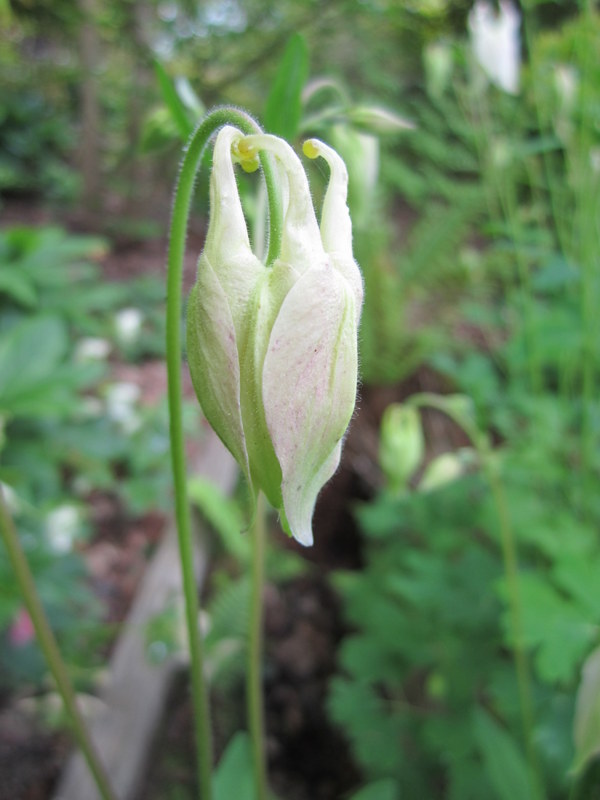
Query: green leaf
<point x="173" y="101"/>
<point x="233" y="777"/>
<point x="503" y="761"/>
<point x="29" y="354"/>
<point x="17" y="286"/>
<point x="222" y="514"/>
<point x="284" y="103"/>
<point x="381" y="790"/>
<point x="374" y="732"/>
<point x="587" y="787"/>
<point x="586" y="726"/>
<point x="579" y="575"/>
<point x="560" y="629"/>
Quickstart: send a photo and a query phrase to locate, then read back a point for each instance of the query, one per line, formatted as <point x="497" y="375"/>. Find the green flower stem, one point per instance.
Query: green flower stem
<point x="511" y="570"/>
<point x="587" y="201"/>
<point x="49" y="647"/>
<point x="179" y="222"/>
<point x="254" y="695"/>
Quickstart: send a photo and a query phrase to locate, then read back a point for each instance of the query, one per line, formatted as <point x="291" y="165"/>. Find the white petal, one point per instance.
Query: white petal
<point x="309" y="388"/>
<point x="301" y="241"/>
<point x="227" y="244"/>
<point x="336" y="227"/>
<point x="213" y="359"/>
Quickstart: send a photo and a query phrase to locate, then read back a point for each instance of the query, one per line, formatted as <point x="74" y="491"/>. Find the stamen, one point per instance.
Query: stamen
<point x="245" y="153"/>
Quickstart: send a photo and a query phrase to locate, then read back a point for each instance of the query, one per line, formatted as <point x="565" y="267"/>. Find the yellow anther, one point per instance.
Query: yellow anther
<point x="245" y="154"/>
<point x="310" y="148"/>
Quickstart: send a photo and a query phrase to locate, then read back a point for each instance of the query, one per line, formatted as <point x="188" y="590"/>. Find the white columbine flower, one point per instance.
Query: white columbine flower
<point x="273" y="350"/>
<point x="128" y="325"/>
<point x="62" y="526"/>
<point x="496" y="44"/>
<point x="92" y="348"/>
<point x="121" y="402"/>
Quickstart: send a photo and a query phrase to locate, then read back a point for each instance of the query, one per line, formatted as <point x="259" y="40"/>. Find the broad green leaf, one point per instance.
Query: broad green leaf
<point x="284" y="103"/>
<point x="586" y="726"/>
<point x="233" y="777"/>
<point x="29" y="354"/>
<point x="503" y="759"/>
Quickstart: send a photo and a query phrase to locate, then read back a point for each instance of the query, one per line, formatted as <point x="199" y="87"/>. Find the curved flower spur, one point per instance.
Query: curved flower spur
<point x="272" y="351"/>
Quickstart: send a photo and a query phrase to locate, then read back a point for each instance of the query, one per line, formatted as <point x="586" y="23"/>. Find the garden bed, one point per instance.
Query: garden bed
<point x="308" y="756"/>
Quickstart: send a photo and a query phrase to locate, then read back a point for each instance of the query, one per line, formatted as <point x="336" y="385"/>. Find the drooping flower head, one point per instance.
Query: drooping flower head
<point x="273" y="350"/>
<point x="496" y="44"/>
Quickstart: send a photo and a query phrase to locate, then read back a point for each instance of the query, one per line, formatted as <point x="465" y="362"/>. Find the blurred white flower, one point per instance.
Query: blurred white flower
<point x="90" y="408"/>
<point x="121" y="401"/>
<point x="62" y="525"/>
<point x="500" y="152"/>
<point x="437" y="60"/>
<point x="128" y="324"/>
<point x="92" y="348"/>
<point x="360" y="151"/>
<point x="401" y="446"/>
<point x="11" y="498"/>
<point x="496" y="44"/>
<point x="566" y="84"/>
<point x="446" y="468"/>
<point x="377" y="119"/>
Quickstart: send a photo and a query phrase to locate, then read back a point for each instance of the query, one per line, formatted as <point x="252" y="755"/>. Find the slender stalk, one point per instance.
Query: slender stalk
<point x="503" y="184"/>
<point x="254" y="695"/>
<point x="587" y="248"/>
<point x="179" y="223"/>
<point x="49" y="648"/>
<point x="511" y="571"/>
<point x="553" y="185"/>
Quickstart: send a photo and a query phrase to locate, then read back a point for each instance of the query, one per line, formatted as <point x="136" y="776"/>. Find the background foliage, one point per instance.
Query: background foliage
<point x="466" y="671"/>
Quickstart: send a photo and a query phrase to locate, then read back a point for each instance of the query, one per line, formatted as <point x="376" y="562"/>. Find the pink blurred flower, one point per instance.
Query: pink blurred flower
<point x="21" y="632"/>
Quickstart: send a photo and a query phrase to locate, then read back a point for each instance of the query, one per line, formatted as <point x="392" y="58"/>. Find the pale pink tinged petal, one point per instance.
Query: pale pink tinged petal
<point x="213" y="361"/>
<point x="309" y="388"/>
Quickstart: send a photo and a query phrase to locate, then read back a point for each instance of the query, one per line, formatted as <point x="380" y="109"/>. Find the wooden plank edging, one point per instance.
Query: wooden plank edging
<point x="123" y="729"/>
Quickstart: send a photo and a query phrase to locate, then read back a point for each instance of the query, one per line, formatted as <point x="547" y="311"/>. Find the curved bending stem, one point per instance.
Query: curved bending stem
<point x="179" y="222"/>
<point x="49" y="647"/>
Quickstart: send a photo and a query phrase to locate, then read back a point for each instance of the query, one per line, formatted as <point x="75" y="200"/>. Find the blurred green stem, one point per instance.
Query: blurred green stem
<point x="498" y="176"/>
<point x="554" y="188"/>
<point x="49" y="648"/>
<point x="179" y="223"/>
<point x="587" y="206"/>
<point x="254" y="694"/>
<point x="511" y="570"/>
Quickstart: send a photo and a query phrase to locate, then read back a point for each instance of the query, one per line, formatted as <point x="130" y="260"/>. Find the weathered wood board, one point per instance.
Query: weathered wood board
<point x="136" y="690"/>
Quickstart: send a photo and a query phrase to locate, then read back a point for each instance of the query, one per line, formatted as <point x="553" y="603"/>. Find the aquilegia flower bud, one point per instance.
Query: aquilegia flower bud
<point x="273" y="350"/>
